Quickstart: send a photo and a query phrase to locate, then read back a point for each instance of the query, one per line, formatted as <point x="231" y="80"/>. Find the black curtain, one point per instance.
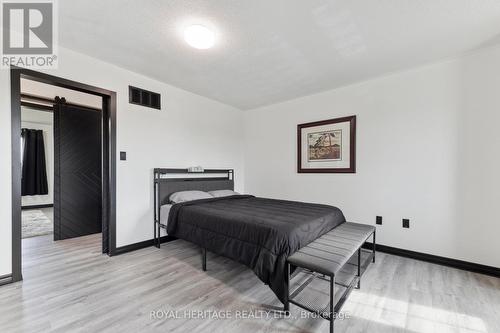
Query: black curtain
<point x="34" y="173"/>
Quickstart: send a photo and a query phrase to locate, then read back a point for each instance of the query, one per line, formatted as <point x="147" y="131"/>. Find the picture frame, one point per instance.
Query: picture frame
<point x="327" y="146"/>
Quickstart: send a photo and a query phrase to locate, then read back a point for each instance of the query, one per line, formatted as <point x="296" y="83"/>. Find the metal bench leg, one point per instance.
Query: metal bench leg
<point x="286" y="304"/>
<point x="332" y="302"/>
<point x="204" y="258"/>
<point x="359" y="269"/>
<point x="373" y="260"/>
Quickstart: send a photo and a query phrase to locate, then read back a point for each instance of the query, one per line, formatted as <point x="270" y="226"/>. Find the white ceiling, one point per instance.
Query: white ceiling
<point x="270" y="51"/>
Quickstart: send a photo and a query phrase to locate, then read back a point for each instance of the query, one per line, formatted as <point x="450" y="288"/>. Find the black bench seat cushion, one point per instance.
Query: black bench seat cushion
<point x="328" y="253"/>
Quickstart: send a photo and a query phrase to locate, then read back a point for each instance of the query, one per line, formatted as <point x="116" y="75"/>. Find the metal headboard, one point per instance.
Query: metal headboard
<point x="168" y="181"/>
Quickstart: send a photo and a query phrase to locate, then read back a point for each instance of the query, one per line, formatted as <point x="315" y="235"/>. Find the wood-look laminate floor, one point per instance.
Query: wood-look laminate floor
<point x="70" y="287"/>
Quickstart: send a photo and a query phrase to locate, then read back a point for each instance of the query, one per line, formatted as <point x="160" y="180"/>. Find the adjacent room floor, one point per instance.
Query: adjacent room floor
<point x="69" y="286"/>
<point x="37" y="222"/>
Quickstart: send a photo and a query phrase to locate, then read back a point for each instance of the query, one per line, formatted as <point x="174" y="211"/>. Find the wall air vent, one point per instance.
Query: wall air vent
<point x="144" y="97"/>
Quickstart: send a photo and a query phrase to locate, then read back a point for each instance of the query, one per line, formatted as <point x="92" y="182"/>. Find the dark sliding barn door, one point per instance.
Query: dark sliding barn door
<point x="77" y="171"/>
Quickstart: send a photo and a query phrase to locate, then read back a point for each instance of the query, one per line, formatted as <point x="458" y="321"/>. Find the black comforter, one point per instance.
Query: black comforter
<point x="259" y="233"/>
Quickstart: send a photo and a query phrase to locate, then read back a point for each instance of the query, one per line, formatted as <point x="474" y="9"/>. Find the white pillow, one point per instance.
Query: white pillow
<point x="222" y="193"/>
<point x="183" y="196"/>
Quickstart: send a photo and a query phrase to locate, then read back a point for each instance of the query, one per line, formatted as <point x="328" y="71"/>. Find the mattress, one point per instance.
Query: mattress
<point x="257" y="232"/>
<point x="164" y="211"/>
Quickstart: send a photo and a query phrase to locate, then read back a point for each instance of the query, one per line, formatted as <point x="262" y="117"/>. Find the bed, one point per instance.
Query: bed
<point x="257" y="232"/>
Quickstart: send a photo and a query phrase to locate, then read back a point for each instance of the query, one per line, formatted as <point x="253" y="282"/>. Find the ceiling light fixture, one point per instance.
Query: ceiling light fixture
<point x="199" y="36"/>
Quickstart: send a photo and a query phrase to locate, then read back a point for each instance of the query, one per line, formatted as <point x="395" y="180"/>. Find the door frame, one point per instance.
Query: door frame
<point x="108" y="161"/>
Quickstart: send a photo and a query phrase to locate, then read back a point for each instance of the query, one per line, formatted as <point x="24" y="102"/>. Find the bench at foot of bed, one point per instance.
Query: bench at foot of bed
<point x="336" y="257"/>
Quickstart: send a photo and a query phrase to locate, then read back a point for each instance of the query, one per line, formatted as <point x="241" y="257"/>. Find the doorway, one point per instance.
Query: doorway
<point x="101" y="169"/>
<point x="37" y="171"/>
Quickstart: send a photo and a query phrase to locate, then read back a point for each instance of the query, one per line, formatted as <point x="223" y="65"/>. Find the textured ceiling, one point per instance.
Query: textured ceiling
<point x="271" y="51"/>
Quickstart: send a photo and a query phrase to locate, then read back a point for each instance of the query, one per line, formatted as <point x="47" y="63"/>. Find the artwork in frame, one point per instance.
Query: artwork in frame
<point x="327" y="146"/>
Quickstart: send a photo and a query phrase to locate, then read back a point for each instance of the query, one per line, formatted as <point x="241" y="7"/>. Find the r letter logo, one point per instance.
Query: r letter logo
<point x="28" y="33"/>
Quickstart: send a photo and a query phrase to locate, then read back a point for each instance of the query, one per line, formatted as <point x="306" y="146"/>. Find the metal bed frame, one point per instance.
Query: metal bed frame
<point x="165" y="185"/>
<point x="170" y="180"/>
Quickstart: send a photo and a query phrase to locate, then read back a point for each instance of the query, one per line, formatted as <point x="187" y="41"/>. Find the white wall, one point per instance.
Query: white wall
<point x="41" y="89"/>
<point x="428" y="150"/>
<point x="478" y="162"/>
<point x="189" y="130"/>
<point x="41" y="120"/>
<point x="5" y="177"/>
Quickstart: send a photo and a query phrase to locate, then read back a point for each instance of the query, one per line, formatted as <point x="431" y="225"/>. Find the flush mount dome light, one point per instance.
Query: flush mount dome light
<point x="199" y="36"/>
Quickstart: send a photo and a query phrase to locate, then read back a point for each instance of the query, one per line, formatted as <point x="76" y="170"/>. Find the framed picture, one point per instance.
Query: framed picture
<point x="327" y="146"/>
